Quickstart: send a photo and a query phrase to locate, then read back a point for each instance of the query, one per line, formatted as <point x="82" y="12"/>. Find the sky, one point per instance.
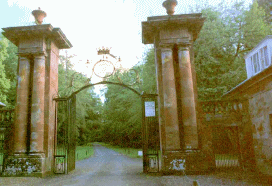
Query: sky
<point x="90" y="24"/>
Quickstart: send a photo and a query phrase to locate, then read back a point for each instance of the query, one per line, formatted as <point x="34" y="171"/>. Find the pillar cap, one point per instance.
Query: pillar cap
<point x="193" y="22"/>
<point x="15" y="33"/>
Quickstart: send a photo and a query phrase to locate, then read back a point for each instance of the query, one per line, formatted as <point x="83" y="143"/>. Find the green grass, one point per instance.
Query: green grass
<point x="83" y="152"/>
<point x="130" y="152"/>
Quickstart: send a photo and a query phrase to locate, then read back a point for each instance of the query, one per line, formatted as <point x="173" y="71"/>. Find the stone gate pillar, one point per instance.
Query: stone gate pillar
<point x="37" y="85"/>
<point x="37" y="106"/>
<point x="187" y="95"/>
<point x="22" y="108"/>
<point x="169" y="98"/>
<point x="173" y="36"/>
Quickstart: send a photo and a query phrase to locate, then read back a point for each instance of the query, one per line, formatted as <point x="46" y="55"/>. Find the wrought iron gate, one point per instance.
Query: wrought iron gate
<point x="226" y="147"/>
<point x="65" y="135"/>
<point x="6" y="134"/>
<point x="150" y="132"/>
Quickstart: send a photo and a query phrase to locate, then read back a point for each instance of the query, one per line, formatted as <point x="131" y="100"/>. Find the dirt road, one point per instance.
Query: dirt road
<point x="107" y="167"/>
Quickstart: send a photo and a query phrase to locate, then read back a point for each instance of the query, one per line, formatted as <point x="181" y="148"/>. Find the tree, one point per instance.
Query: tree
<point x="11" y="63"/>
<point x="122" y="110"/>
<point x="148" y="75"/>
<point x="267" y="6"/>
<point x="87" y="102"/>
<point x="255" y="27"/>
<point x="122" y="115"/>
<point x="4" y="82"/>
<point x="227" y="35"/>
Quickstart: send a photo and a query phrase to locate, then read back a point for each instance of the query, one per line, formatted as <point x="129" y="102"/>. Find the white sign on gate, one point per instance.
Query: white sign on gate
<point x="150" y="109"/>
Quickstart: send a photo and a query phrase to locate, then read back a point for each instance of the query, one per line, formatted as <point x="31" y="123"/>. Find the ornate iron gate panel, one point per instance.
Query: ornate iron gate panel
<point x="6" y="134"/>
<point x="226" y="147"/>
<point x="150" y="132"/>
<point x="71" y="161"/>
<point x="65" y="135"/>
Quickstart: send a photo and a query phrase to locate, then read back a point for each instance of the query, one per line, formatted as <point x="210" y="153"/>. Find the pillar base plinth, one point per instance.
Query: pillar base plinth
<point x="186" y="162"/>
<point x="30" y="165"/>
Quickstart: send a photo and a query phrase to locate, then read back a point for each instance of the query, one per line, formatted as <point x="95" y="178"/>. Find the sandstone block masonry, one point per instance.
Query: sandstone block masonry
<point x="258" y="92"/>
<point x="173" y="37"/>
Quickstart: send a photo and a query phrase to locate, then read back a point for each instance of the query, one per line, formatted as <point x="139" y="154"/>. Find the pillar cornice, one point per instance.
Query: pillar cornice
<point x="183" y="44"/>
<point x="16" y="34"/>
<point x="192" y="22"/>
<point x="166" y="46"/>
<point x="32" y="54"/>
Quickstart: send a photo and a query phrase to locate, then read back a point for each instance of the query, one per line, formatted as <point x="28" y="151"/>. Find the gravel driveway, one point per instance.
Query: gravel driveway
<point x="108" y="167"/>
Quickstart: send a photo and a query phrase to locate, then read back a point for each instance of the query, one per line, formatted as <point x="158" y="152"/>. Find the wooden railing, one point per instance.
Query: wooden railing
<point x="6" y="135"/>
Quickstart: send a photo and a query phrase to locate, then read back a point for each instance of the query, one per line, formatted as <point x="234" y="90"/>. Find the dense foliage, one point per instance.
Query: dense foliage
<point x="5" y="73"/>
<point x="227" y="35"/>
<point x="88" y="106"/>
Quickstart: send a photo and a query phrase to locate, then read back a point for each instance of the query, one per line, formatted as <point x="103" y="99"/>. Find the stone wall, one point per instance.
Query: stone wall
<point x="258" y="91"/>
<point x="260" y="109"/>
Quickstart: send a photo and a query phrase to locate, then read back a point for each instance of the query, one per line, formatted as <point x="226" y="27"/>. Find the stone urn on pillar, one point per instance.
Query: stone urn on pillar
<point x="39" y="16"/>
<point x="170" y="6"/>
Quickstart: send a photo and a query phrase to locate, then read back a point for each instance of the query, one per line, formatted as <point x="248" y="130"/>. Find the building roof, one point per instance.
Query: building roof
<point x="254" y="82"/>
<point x="241" y="89"/>
<point x="260" y="43"/>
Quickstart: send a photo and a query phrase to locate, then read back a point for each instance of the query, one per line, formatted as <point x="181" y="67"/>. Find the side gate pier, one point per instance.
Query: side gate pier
<point x="33" y="140"/>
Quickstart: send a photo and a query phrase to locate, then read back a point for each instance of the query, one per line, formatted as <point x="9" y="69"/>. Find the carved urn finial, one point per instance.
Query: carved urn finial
<point x="39" y="16"/>
<point x="170" y="6"/>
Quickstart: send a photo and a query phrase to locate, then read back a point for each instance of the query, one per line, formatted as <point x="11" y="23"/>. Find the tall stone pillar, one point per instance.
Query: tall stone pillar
<point x="22" y="108"/>
<point x="173" y="36"/>
<point x="170" y="100"/>
<point x="188" y="101"/>
<point x="37" y="107"/>
<point x="38" y="48"/>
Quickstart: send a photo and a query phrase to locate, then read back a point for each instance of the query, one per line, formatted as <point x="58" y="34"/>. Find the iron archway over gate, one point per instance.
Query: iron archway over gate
<point x="65" y="138"/>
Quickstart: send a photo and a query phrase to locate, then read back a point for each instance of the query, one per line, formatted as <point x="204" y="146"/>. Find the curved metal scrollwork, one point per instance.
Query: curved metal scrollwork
<point x="104" y="68"/>
<point x="107" y="70"/>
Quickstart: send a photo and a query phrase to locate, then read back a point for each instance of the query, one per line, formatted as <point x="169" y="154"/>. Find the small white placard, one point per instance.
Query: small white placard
<point x="140" y="153"/>
<point x="150" y="109"/>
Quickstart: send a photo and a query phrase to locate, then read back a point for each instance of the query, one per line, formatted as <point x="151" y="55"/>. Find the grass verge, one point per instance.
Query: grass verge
<point x="130" y="152"/>
<point x="84" y="152"/>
